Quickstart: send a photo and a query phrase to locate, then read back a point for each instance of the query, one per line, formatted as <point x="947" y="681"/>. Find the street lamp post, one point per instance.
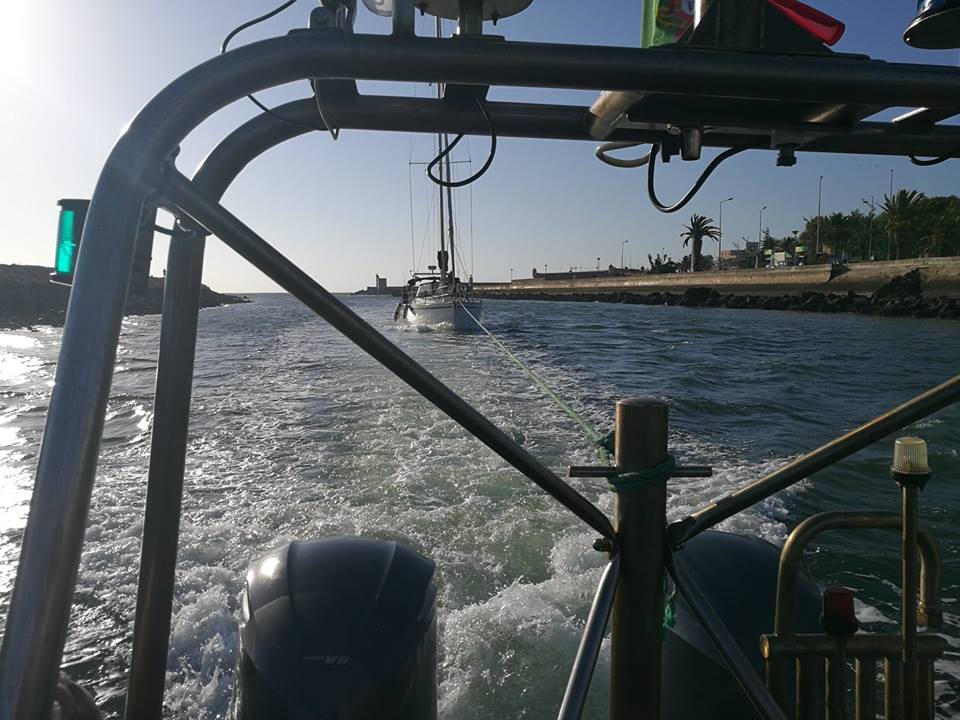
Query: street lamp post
<point x="759" y="232"/>
<point x="511" y="275"/>
<point x="720" y="235"/>
<point x="873" y="209"/>
<point x="622" y="245"/>
<point x="819" y="196"/>
<point x="598" y="264"/>
<point x="889" y="227"/>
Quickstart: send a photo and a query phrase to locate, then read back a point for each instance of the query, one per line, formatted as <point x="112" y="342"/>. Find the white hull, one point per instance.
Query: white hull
<point x="441" y="314"/>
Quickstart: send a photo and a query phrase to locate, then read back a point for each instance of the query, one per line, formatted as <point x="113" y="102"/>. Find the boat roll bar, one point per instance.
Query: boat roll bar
<point x="826" y="455"/>
<point x="138" y="170"/>
<point x="929" y="612"/>
<point x="217" y="220"/>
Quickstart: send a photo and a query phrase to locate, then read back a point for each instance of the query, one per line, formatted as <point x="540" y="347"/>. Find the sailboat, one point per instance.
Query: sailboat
<point x="438" y="298"/>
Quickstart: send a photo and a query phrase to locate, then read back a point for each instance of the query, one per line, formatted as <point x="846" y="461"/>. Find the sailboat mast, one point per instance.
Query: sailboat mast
<point x="442" y="259"/>
<point x="453" y="254"/>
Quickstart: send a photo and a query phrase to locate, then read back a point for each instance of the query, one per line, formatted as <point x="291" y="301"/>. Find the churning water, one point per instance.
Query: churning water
<point x="296" y="434"/>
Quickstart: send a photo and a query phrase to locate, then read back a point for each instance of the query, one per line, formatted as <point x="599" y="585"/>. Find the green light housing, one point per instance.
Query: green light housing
<point x="73" y="213"/>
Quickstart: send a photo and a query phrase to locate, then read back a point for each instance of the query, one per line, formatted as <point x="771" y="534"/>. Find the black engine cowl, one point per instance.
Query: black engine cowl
<point x="338" y="629"/>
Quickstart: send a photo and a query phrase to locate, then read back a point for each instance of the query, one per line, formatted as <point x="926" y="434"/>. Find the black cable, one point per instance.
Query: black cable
<point x="486" y="165"/>
<point x="162" y="230"/>
<point x="714" y="164"/>
<point x="934" y="161"/>
<point x="250" y="23"/>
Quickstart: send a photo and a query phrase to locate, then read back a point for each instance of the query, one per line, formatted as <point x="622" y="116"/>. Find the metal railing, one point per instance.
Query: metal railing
<point x="809" y="655"/>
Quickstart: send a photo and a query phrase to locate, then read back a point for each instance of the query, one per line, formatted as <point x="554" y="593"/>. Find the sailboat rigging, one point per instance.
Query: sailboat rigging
<point x="438" y="297"/>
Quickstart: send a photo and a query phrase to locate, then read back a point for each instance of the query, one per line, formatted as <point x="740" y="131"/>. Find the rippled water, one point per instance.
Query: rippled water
<point x="295" y="433"/>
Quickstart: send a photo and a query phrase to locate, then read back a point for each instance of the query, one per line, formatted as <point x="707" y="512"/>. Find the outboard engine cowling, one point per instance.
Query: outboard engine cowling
<point x="338" y="629"/>
<point x="739" y="576"/>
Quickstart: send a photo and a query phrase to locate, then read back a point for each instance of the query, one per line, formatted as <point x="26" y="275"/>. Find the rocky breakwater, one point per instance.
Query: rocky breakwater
<point x="900" y="297"/>
<point x="27" y="298"/>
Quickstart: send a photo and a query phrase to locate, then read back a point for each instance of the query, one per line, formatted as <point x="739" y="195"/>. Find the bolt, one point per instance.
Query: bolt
<point x="603" y="544"/>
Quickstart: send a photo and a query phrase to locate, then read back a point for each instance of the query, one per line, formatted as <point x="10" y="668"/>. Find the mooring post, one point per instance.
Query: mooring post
<point x="640" y="522"/>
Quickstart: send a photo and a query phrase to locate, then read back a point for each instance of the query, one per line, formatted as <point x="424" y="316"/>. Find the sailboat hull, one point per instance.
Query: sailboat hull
<point x="453" y="315"/>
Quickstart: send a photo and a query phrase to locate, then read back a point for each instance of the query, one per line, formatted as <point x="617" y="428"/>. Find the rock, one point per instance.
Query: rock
<point x="27" y="297"/>
<point x="908" y="285"/>
<point x="863" y="306"/>
<point x="812" y="302"/>
<point x="698" y="296"/>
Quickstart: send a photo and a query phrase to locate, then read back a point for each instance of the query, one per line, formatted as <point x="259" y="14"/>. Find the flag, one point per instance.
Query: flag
<point x="823" y="27"/>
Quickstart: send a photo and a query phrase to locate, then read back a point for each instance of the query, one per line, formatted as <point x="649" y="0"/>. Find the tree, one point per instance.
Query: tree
<point x="662" y="264"/>
<point x="898" y="212"/>
<point x="700" y="227"/>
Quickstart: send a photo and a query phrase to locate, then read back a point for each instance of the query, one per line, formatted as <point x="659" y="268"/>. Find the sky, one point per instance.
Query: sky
<point x="74" y="74"/>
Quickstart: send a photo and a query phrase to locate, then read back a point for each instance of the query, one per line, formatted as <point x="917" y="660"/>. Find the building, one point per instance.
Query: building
<point x="381" y="288"/>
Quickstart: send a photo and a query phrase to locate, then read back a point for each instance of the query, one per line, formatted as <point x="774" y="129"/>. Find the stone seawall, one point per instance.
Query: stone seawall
<point x="918" y="288"/>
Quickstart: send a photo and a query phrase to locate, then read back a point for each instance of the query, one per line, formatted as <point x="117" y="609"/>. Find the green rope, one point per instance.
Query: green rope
<point x="669" y="606"/>
<point x="636" y="479"/>
<point x="595" y="437"/>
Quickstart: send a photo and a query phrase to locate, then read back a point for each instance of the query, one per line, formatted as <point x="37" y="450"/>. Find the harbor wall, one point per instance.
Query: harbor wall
<point x="939" y="277"/>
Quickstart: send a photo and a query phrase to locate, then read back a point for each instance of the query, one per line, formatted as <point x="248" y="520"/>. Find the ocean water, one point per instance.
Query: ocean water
<point x="297" y="434"/>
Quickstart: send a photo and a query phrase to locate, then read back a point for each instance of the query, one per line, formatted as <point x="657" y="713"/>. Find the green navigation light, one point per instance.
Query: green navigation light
<point x="66" y="244"/>
<point x="73" y="213"/>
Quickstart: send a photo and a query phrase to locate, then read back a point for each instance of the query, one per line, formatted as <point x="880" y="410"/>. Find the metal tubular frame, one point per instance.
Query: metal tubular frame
<point x="928" y="613"/>
<point x="811" y="651"/>
<point x="582" y="673"/>
<point x="751" y="684"/>
<point x="40" y="604"/>
<point x="232" y="232"/>
<point x="898" y="418"/>
<point x="168" y="446"/>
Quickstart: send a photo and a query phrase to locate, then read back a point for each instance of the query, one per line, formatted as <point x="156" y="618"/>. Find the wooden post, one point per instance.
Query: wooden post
<point x="640" y="522"/>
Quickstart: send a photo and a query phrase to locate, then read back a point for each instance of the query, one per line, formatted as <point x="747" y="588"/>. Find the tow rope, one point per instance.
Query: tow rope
<point x="603" y="442"/>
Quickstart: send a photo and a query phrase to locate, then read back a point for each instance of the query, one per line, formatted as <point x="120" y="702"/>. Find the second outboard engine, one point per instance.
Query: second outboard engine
<point x="338" y="629"/>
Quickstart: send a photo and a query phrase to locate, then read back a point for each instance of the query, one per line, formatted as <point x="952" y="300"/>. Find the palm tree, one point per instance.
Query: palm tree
<point x="944" y="229"/>
<point x="899" y="210"/>
<point x="700" y="227"/>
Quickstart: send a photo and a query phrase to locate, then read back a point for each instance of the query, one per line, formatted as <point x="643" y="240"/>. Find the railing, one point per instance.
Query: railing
<point x="640" y="544"/>
<point x="816" y="655"/>
<point x="810" y="654"/>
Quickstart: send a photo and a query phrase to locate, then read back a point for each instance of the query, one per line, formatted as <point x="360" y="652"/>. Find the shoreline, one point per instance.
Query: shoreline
<point x="922" y="288"/>
<point x="28" y="298"/>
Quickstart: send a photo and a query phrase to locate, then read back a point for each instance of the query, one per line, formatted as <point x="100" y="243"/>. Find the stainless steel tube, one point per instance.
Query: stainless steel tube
<point x="751" y="684"/>
<point x="898" y="418"/>
<point x="40" y="603"/>
<point x="908" y="608"/>
<point x="791" y="557"/>
<point x="161" y="520"/>
<point x="583" y="666"/>
<point x="219" y="221"/>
